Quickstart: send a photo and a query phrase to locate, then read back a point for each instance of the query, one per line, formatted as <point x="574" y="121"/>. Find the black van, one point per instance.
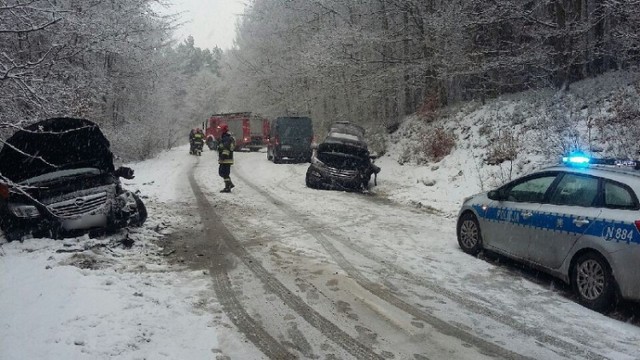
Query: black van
<point x="290" y="137"/>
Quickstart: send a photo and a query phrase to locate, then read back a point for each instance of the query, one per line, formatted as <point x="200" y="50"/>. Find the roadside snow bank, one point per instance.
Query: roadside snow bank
<point x="508" y="137"/>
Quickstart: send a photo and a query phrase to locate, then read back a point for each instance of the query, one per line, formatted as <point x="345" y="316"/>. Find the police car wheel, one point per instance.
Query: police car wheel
<point x="592" y="282"/>
<point x="469" y="236"/>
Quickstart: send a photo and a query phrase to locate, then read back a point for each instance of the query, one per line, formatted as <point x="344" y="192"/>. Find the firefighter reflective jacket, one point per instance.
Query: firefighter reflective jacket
<point x="226" y="145"/>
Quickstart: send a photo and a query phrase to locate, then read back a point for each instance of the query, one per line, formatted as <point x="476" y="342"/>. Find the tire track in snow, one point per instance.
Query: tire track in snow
<point x="505" y="318"/>
<point x="442" y="326"/>
<point x="273" y="285"/>
<point x="222" y="284"/>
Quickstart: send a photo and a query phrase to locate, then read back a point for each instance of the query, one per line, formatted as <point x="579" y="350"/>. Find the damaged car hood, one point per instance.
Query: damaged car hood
<point x="54" y="145"/>
<point x="343" y="148"/>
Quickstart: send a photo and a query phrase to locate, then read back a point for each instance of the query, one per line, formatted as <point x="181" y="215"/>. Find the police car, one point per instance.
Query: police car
<point x="579" y="221"/>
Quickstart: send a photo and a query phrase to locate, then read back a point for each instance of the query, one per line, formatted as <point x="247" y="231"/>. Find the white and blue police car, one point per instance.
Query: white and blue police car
<point x="579" y="221"/>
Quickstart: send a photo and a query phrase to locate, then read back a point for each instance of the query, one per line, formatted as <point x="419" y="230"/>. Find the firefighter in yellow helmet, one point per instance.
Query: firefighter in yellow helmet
<point x="226" y="145"/>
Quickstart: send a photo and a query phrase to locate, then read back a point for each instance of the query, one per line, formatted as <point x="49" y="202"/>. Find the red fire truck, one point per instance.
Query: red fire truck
<point x="250" y="131"/>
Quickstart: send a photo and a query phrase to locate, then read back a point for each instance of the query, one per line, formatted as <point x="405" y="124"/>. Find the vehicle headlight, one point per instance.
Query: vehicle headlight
<point x="24" y="211"/>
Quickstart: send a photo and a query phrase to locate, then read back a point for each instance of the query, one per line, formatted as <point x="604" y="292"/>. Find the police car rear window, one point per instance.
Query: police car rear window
<point x="618" y="197"/>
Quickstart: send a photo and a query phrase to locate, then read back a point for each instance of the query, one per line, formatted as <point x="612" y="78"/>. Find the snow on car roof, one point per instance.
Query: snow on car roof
<point x="344" y="136"/>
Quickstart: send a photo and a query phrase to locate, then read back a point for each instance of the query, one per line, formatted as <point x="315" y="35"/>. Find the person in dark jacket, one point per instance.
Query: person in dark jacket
<point x="196" y="140"/>
<point x="226" y="145"/>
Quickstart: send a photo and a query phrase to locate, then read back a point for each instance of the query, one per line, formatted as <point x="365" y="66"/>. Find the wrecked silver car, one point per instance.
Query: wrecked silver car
<point x="57" y="179"/>
<point x="342" y="161"/>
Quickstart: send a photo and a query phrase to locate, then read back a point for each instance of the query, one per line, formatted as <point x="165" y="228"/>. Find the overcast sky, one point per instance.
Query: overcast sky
<point x="211" y="22"/>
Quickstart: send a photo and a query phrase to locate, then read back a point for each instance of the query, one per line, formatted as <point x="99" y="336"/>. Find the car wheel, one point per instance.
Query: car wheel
<point x="276" y="158"/>
<point x="14" y="235"/>
<point x="592" y="282"/>
<point x="469" y="236"/>
<point x="310" y="184"/>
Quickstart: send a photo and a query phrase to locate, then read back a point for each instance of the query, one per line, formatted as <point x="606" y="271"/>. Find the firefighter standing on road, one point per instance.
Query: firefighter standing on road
<point x="197" y="139"/>
<point x="226" y="145"/>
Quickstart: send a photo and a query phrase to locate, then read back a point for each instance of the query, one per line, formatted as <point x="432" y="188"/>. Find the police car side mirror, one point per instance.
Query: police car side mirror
<point x="496" y="195"/>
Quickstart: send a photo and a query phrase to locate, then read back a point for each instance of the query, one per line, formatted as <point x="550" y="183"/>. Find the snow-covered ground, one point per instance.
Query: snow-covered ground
<point x="391" y="268"/>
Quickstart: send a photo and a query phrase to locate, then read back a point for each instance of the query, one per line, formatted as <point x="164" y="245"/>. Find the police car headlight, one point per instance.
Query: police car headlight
<point x="24" y="211"/>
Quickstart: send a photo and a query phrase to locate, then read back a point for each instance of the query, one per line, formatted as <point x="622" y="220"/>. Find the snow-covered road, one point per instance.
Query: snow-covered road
<point x="277" y="270"/>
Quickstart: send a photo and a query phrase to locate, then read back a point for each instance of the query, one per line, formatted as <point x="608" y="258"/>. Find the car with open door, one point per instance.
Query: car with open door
<point x="342" y="160"/>
<point x="57" y="179"/>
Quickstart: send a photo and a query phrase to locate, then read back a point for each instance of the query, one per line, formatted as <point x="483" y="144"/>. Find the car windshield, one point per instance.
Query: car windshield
<point x="347" y="128"/>
<point x="295" y="127"/>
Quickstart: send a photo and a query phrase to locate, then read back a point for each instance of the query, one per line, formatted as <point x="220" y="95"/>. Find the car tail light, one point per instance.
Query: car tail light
<point x="277" y="140"/>
<point x="4" y="191"/>
<point x="638" y="225"/>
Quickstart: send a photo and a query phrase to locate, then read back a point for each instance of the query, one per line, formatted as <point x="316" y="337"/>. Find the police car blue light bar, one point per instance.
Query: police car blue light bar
<point x="580" y="159"/>
<point x="577" y="159"/>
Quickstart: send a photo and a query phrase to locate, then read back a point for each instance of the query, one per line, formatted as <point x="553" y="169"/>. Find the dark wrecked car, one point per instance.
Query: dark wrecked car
<point x="342" y="161"/>
<point x="57" y="179"/>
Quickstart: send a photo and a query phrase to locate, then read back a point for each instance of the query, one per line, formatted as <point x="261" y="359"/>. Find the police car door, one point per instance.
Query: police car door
<point x="571" y="210"/>
<point x="509" y="222"/>
<point x="619" y="215"/>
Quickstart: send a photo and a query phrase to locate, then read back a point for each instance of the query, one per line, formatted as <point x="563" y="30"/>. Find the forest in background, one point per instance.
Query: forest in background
<point x="376" y="61"/>
<point x="111" y="61"/>
<point x="368" y="61"/>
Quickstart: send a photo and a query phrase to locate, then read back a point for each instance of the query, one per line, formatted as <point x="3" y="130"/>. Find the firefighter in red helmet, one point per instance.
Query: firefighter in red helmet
<point x="226" y="145"/>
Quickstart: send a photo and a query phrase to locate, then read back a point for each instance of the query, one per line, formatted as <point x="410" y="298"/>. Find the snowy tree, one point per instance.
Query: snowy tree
<point x="109" y="61"/>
